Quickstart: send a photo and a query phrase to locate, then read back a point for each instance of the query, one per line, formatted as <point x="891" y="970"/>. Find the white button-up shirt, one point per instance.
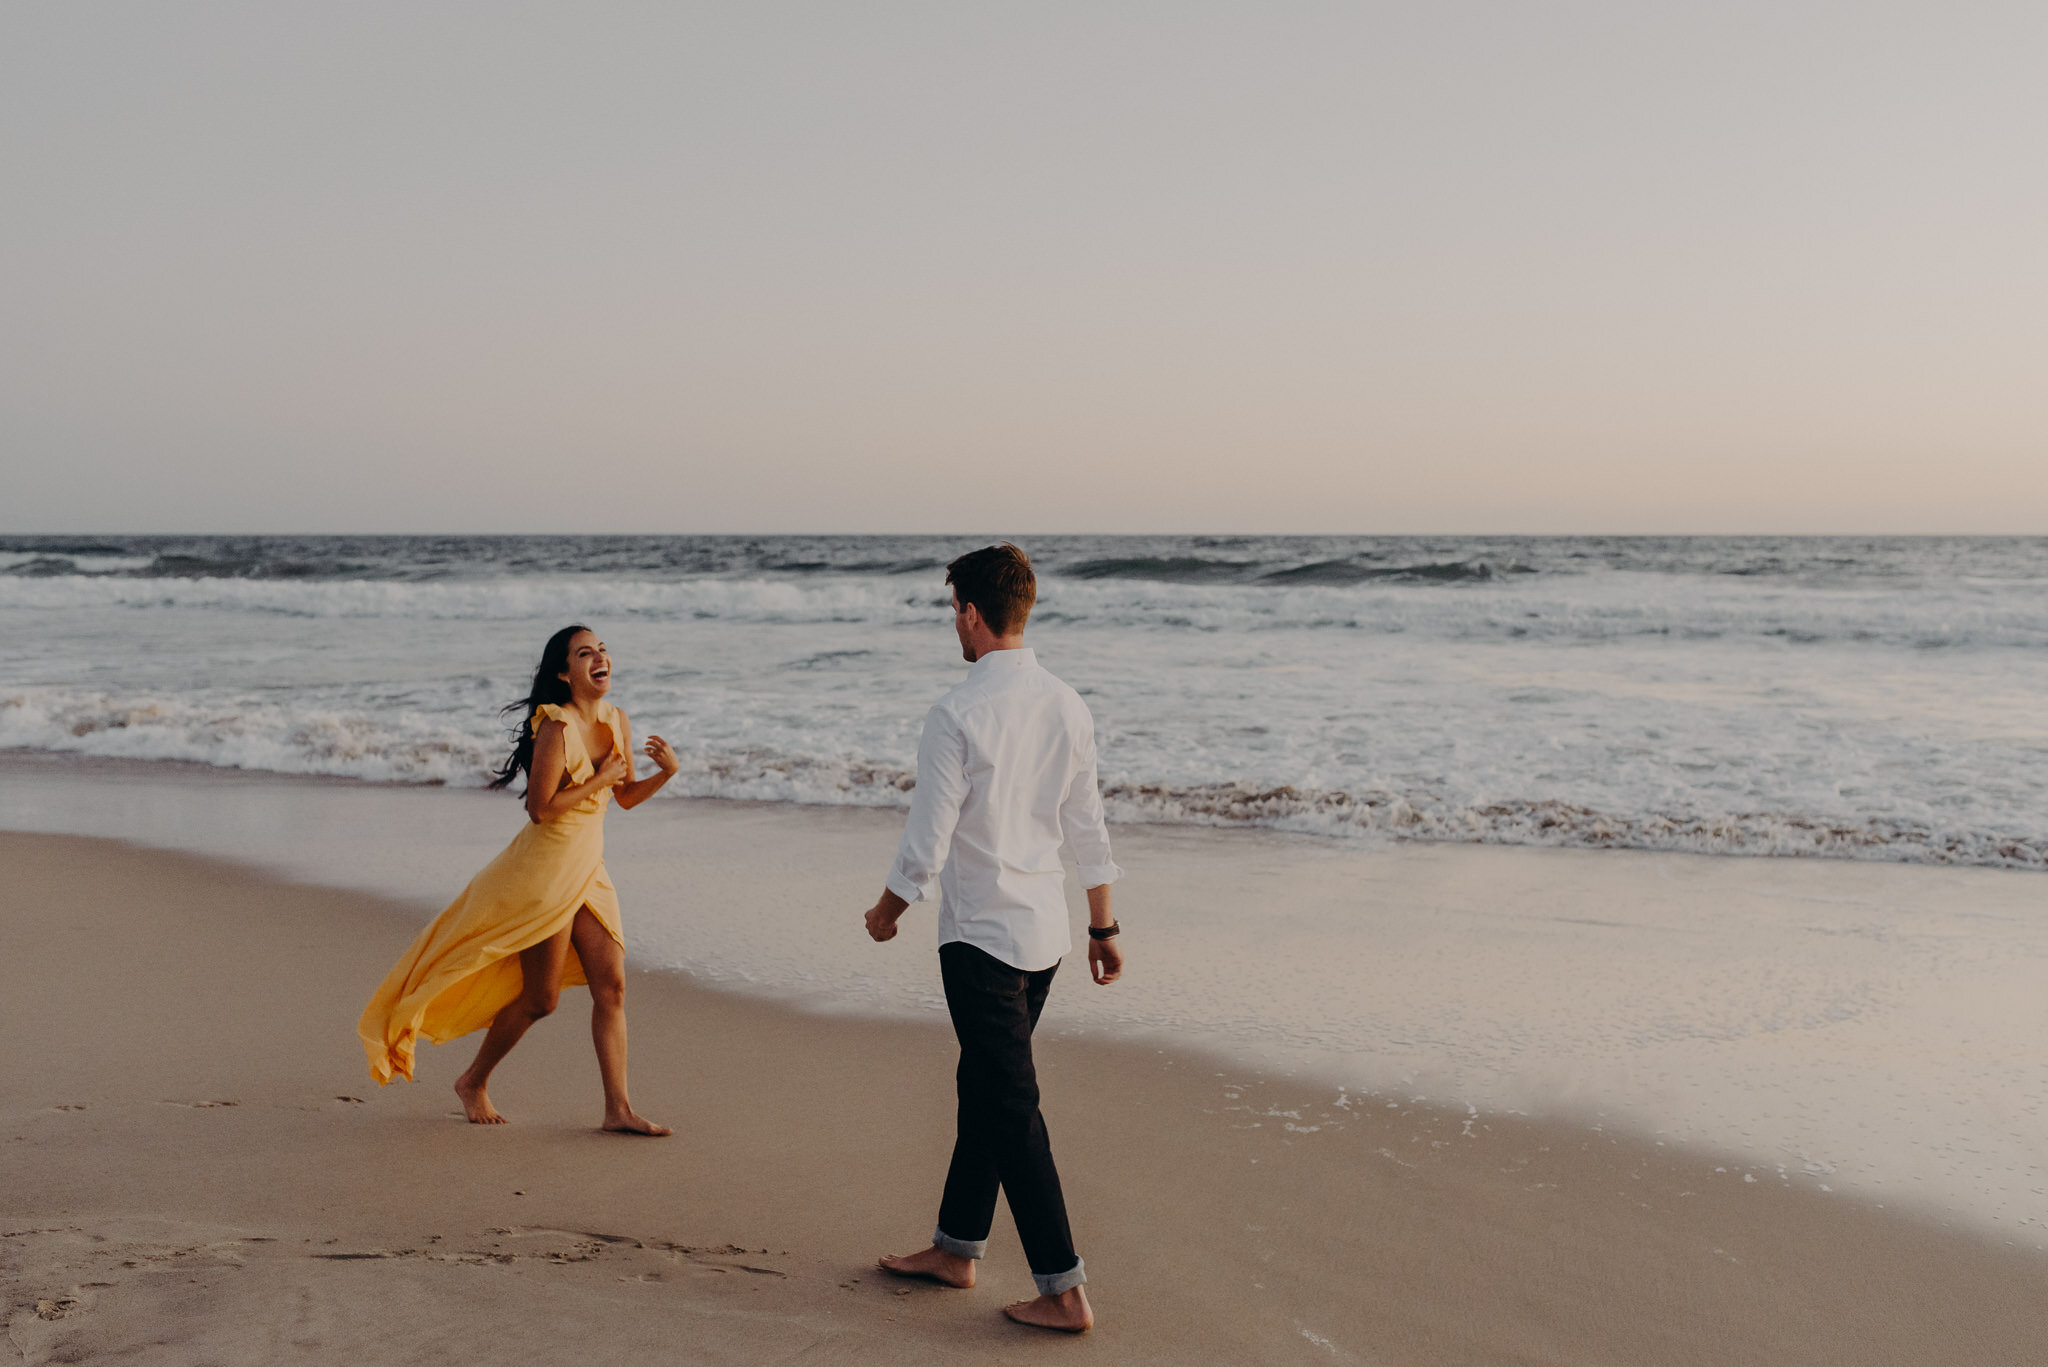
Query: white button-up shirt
<point x="1005" y="776"/>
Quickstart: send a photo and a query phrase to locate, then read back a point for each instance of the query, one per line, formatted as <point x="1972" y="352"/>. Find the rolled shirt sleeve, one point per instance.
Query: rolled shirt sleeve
<point x="1081" y="823"/>
<point x="934" y="809"/>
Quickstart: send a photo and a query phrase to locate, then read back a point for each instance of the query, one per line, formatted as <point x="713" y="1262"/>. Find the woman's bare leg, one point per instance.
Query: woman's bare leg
<point x="604" y="963"/>
<point x="540" y="968"/>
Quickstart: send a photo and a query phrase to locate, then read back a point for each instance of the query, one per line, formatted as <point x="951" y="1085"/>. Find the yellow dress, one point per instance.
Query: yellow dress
<point x="464" y="968"/>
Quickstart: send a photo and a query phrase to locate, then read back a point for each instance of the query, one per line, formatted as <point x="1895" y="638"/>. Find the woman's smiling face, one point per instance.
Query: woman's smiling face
<point x="590" y="666"/>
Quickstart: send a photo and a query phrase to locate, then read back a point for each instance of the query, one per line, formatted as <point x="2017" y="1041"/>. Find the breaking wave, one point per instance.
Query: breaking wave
<point x="1169" y="569"/>
<point x="341" y="743"/>
<point x="1357" y="571"/>
<point x="399" y="748"/>
<point x="1548" y="822"/>
<point x="1514" y="607"/>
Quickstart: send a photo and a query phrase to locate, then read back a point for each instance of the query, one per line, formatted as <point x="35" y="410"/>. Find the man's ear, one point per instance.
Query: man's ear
<point x="971" y="615"/>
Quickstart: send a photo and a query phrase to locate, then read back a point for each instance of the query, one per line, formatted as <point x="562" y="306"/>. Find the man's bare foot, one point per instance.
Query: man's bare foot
<point x="933" y="1264"/>
<point x="476" y="1105"/>
<point x="1067" y="1312"/>
<point x="634" y="1123"/>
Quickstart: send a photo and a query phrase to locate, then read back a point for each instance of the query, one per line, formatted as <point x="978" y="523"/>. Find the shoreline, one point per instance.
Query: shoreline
<point x="1138" y="806"/>
<point x="1866" y="1028"/>
<point x="182" y="1165"/>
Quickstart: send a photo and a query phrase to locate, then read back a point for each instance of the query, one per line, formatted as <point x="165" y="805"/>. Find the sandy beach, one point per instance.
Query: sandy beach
<point x="199" y="1172"/>
<point x="1862" y="1029"/>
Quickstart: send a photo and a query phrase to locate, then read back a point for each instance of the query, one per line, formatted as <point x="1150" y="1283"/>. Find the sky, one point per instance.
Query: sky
<point x="1435" y="266"/>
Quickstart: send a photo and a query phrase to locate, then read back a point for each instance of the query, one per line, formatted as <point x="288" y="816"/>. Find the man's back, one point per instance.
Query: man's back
<point x="1006" y="776"/>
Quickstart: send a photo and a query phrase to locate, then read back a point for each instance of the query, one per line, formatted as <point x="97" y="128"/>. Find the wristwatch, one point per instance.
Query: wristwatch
<point x="1107" y="932"/>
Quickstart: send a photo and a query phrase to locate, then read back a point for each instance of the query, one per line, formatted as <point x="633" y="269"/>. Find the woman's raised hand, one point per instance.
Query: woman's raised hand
<point x="614" y="770"/>
<point x="663" y="755"/>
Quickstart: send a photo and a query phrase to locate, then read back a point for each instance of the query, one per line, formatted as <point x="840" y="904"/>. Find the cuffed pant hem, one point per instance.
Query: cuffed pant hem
<point x="1052" y="1283"/>
<point x="959" y="1248"/>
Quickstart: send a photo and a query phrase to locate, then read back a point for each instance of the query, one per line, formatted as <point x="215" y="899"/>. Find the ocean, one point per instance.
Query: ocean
<point x="1870" y="698"/>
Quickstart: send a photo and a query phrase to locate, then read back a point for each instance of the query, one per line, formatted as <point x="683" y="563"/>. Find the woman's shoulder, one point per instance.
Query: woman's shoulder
<point x="543" y="713"/>
<point x="615" y="716"/>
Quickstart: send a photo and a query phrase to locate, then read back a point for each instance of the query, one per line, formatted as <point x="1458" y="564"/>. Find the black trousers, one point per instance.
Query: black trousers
<point x="1002" y="1137"/>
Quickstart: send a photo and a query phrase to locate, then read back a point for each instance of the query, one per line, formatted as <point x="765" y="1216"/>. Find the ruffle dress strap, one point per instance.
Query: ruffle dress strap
<point x="546" y="711"/>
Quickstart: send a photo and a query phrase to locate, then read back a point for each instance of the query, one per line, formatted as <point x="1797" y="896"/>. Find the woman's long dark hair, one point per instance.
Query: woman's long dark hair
<point x="548" y="686"/>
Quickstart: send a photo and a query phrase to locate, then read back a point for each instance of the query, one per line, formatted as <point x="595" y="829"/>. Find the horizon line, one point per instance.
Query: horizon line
<point x="1041" y="531"/>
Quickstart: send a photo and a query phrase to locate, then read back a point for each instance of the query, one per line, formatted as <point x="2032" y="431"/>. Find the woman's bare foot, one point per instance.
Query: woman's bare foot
<point x="1067" y="1312"/>
<point x="476" y="1105"/>
<point x="631" y="1122"/>
<point x="933" y="1264"/>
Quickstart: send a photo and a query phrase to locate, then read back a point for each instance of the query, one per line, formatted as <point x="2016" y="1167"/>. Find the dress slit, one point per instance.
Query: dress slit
<point x="464" y="968"/>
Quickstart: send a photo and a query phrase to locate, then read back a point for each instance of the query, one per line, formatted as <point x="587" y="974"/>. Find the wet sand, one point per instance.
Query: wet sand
<point x="198" y="1170"/>
<point x="1867" y="1027"/>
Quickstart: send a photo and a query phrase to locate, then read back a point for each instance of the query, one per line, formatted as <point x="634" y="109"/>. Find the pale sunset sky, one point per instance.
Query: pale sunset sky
<point x="758" y="267"/>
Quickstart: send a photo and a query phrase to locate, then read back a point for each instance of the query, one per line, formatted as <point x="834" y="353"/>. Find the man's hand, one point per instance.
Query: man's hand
<point x="881" y="917"/>
<point x="1105" y="957"/>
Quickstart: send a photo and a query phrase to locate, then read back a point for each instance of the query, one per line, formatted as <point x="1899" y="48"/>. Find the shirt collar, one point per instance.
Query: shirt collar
<point x="1023" y="657"/>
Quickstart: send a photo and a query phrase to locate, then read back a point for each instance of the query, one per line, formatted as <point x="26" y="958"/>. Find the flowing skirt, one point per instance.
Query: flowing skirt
<point x="464" y="968"/>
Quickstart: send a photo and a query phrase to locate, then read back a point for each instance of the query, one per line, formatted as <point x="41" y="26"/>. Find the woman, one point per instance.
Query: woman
<point x="544" y="912"/>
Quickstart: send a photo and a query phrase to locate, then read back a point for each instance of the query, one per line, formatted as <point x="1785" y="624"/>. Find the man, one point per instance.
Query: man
<point x="1005" y="776"/>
